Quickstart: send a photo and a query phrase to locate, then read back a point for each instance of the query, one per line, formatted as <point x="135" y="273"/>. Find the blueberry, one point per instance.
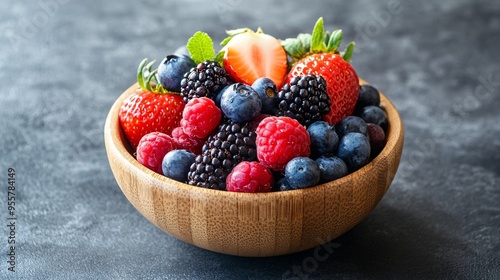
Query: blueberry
<point x="240" y="103"/>
<point x="331" y="168"/>
<point x="302" y="172"/>
<point x="368" y="95"/>
<point x="172" y="69"/>
<point x="282" y="185"/>
<point x="268" y="93"/>
<point x="351" y="124"/>
<point x="176" y="164"/>
<point x="374" y="114"/>
<point x="354" y="150"/>
<point x="377" y="138"/>
<point x="218" y="97"/>
<point x="324" y="139"/>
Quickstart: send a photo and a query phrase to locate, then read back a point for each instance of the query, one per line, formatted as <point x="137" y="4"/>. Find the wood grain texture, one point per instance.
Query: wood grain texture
<point x="265" y="224"/>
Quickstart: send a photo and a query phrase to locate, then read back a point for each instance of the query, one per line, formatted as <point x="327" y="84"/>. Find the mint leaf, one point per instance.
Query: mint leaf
<point x="318" y="34"/>
<point x="200" y="47"/>
<point x="347" y="54"/>
<point x="335" y="40"/>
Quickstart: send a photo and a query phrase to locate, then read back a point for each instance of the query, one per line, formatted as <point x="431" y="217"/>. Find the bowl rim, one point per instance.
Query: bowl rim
<point x="114" y="139"/>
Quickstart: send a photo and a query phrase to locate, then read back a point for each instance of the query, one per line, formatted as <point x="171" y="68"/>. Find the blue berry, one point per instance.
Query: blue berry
<point x="268" y="93"/>
<point x="240" y="103"/>
<point x="282" y="185"/>
<point x="354" y="150"/>
<point x="176" y="164"/>
<point x="374" y="114"/>
<point x="172" y="69"/>
<point x="324" y="139"/>
<point x="368" y="95"/>
<point x="331" y="168"/>
<point x="351" y="124"/>
<point x="302" y="172"/>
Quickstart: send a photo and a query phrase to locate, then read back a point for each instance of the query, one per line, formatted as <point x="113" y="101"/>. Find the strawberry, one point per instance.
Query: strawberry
<point x="151" y="108"/>
<point x="250" y="55"/>
<point x="318" y="54"/>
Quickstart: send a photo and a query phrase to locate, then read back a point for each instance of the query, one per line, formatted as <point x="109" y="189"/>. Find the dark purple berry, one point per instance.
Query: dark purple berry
<point x="377" y="138"/>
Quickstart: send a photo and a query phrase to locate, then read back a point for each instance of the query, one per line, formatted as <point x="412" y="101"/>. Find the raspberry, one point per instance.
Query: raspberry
<point x="280" y="139"/>
<point x="200" y="117"/>
<point x="250" y="177"/>
<point x="152" y="148"/>
<point x="186" y="142"/>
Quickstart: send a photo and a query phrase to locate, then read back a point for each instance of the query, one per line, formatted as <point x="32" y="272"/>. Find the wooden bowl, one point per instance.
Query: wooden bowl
<point x="248" y="224"/>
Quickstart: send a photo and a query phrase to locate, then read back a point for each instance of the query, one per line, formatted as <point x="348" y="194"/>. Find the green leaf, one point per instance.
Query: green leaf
<point x="200" y="47"/>
<point x="305" y="40"/>
<point x="140" y="71"/>
<point x="293" y="47"/>
<point x="318" y="34"/>
<point x="219" y="57"/>
<point x="225" y="41"/>
<point x="347" y="54"/>
<point x="335" y="40"/>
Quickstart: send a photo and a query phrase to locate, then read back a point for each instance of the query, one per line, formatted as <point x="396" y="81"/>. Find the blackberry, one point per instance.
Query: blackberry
<point x="231" y="144"/>
<point x="206" y="79"/>
<point x="304" y="98"/>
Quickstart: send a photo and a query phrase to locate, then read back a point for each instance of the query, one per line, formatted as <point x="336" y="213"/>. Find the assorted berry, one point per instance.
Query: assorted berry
<point x="281" y="139"/>
<point x="200" y="117"/>
<point x="176" y="164"/>
<point x="260" y="115"/>
<point x="240" y="103"/>
<point x="250" y="176"/>
<point x="302" y="172"/>
<point x="304" y="98"/>
<point x="171" y="71"/>
<point x="152" y="148"/>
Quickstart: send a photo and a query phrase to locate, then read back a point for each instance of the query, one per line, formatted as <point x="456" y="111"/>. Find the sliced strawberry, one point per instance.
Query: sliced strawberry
<point x="251" y="55"/>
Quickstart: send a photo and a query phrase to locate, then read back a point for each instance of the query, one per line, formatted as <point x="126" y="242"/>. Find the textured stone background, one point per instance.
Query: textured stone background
<point x="64" y="63"/>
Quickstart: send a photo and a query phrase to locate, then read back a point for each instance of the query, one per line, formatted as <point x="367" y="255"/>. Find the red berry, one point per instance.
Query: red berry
<point x="145" y="111"/>
<point x="279" y="140"/>
<point x="152" y="149"/>
<point x="184" y="141"/>
<point x="200" y="117"/>
<point x="250" y="177"/>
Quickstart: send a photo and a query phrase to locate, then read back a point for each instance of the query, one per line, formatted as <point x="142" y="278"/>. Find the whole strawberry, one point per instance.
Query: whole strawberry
<point x="318" y="54"/>
<point x="151" y="108"/>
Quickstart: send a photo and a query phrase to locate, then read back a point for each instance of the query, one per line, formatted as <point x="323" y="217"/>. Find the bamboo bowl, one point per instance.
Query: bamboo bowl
<point x="263" y="224"/>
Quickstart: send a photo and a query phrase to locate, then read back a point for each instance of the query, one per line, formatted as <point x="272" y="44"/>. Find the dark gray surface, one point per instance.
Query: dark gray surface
<point x="64" y="63"/>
